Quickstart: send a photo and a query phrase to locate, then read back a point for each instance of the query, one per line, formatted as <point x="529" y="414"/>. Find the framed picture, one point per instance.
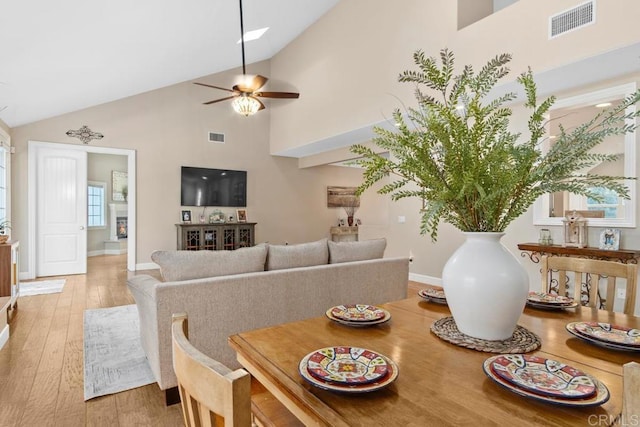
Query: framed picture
<point x="339" y="197"/>
<point x="186" y="216"/>
<point x="241" y="214"/>
<point x="610" y="239"/>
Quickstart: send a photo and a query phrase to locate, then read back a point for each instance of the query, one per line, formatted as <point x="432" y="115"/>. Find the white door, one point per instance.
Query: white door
<point x="61" y="217"/>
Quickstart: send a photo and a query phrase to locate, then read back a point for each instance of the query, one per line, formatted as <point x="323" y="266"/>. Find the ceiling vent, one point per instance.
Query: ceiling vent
<point x="580" y="16"/>
<point x="216" y="137"/>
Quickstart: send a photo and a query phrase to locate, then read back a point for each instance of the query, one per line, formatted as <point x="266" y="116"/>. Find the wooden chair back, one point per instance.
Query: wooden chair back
<point x="211" y="394"/>
<point x="630" y="395"/>
<point x="596" y="269"/>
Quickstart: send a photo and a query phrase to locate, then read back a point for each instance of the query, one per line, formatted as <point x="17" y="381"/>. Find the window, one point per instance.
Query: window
<point x="96" y="204"/>
<point x="3" y="184"/>
<point x="609" y="204"/>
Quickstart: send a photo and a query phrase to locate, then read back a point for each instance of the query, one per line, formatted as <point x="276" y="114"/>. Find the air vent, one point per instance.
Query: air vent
<point x="572" y="19"/>
<point x="216" y="137"/>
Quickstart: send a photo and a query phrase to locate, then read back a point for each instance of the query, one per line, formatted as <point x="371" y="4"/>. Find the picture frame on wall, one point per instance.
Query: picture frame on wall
<point x="610" y="239"/>
<point x="186" y="216"/>
<point x="241" y="214"/>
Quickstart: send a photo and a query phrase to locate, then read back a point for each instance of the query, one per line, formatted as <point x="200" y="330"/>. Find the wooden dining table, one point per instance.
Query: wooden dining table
<point x="438" y="383"/>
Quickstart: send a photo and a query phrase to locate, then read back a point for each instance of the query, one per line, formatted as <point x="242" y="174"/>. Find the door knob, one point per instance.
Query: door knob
<point x="82" y="227"/>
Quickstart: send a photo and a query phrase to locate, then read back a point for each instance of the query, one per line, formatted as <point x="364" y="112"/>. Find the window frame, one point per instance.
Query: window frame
<point x="103" y="186"/>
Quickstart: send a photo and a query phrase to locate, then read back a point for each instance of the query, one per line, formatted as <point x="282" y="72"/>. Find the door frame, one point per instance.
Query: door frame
<point x="32" y="147"/>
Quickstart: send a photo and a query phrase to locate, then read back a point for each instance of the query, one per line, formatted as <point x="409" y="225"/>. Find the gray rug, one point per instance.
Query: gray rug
<point x="41" y="287"/>
<point x="113" y="357"/>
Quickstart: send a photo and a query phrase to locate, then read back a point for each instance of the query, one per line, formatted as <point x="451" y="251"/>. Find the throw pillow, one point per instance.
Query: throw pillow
<point x="186" y="265"/>
<point x="356" y="251"/>
<point x="299" y="255"/>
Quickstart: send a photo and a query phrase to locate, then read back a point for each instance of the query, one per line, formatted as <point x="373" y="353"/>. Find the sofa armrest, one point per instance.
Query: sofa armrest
<point x="143" y="289"/>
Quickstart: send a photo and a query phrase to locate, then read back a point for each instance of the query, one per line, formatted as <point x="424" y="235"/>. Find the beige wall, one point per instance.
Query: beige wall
<point x="168" y="129"/>
<point x="346" y="65"/>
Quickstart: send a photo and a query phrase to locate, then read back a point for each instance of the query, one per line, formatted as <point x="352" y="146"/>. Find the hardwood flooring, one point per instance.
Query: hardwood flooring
<point x="41" y="366"/>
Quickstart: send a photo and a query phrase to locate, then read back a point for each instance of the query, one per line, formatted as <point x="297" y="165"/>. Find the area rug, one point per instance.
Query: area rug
<point x="113" y="357"/>
<point x="41" y="287"/>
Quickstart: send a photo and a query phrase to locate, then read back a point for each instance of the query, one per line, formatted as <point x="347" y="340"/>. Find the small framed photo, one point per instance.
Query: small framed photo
<point x="241" y="214"/>
<point x="186" y="217"/>
<point x="610" y="239"/>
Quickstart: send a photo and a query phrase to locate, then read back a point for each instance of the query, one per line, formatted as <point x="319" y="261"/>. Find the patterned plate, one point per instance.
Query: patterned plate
<point x="392" y="374"/>
<point x="600" y="397"/>
<point x="386" y="318"/>
<point x="551" y="299"/>
<point x="347" y="365"/>
<point x="357" y="312"/>
<point x="543" y="376"/>
<point x="434" y="295"/>
<point x="571" y="328"/>
<point x="612" y="334"/>
<point x="551" y="306"/>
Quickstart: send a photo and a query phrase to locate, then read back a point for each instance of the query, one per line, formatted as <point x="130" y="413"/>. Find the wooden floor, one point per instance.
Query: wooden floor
<point x="41" y="366"/>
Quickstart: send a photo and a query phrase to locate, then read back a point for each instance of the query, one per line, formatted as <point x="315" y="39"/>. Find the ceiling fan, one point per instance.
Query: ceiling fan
<point x="245" y="95"/>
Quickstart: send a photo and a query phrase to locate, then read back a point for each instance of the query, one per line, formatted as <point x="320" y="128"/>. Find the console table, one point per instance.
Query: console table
<point x="215" y="237"/>
<point x="9" y="268"/>
<point x="344" y="234"/>
<point x="535" y="250"/>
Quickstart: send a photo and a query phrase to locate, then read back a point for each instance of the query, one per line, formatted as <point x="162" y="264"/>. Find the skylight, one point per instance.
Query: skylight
<point x="253" y="35"/>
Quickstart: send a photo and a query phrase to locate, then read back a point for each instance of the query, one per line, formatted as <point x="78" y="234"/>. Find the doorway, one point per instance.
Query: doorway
<point x="35" y="170"/>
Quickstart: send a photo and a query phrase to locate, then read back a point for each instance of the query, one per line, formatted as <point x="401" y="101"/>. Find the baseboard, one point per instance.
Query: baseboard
<point x="428" y="280"/>
<point x="106" y="252"/>
<point x="4" y="335"/>
<point x="147" y="266"/>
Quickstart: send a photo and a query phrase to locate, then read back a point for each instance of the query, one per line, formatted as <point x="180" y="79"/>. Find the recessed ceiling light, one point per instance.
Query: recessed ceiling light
<point x="253" y="35"/>
<point x="603" y="105"/>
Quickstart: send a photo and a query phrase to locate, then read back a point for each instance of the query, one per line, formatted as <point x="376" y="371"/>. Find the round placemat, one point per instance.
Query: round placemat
<point x="522" y="340"/>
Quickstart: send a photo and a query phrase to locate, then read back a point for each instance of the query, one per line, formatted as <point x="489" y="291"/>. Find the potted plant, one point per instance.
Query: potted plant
<point x="455" y="152"/>
<point x="4" y="226"/>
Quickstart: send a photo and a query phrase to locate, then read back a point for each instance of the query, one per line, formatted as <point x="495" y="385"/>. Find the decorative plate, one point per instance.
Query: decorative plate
<point x="357" y="312"/>
<point x="612" y="346"/>
<point x="434" y="295"/>
<point x="386" y="318"/>
<point x="392" y="374"/>
<point x="598" y="398"/>
<point x="551" y="299"/>
<point x="607" y="332"/>
<point x="347" y="365"/>
<point x="544" y="306"/>
<point x="543" y="376"/>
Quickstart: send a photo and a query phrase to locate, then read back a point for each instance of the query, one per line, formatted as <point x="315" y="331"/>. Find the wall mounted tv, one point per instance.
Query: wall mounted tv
<point x="213" y="187"/>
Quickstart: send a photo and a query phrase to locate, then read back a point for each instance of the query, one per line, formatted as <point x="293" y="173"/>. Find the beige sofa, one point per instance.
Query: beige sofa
<point x="228" y="292"/>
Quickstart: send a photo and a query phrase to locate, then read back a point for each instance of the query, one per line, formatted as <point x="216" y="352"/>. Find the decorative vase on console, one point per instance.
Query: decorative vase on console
<point x="350" y="207"/>
<point x="457" y="154"/>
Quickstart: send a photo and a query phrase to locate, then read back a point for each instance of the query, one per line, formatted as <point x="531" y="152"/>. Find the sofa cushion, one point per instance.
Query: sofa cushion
<point x="299" y="255"/>
<point x="356" y="251"/>
<point x="186" y="265"/>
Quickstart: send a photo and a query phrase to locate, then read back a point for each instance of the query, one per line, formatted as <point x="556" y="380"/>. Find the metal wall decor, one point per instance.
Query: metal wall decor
<point x="84" y="134"/>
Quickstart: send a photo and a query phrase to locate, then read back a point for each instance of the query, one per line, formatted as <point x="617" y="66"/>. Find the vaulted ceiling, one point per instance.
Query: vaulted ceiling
<point x="65" y="55"/>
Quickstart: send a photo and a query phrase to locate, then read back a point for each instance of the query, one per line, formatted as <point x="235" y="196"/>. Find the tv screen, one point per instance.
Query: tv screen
<point x="213" y="187"/>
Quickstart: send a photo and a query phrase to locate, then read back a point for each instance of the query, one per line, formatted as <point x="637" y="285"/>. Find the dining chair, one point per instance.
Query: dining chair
<point x="630" y="395"/>
<point x="591" y="271"/>
<point x="213" y="395"/>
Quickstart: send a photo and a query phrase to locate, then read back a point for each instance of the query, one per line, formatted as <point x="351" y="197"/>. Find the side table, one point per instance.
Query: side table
<point x="344" y="234"/>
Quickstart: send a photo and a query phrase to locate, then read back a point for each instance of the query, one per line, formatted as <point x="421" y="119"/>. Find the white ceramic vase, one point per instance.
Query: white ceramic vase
<point x="486" y="287"/>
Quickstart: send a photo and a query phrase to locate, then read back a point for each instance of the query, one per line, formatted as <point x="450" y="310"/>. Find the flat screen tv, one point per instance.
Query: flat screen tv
<point x="213" y="187"/>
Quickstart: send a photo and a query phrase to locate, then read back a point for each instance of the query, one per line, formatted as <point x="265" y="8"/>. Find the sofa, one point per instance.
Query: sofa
<point x="228" y="292"/>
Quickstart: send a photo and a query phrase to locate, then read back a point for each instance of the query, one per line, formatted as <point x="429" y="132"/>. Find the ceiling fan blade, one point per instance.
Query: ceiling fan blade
<point x="219" y="100"/>
<point x="277" y="94"/>
<point x="214" y="87"/>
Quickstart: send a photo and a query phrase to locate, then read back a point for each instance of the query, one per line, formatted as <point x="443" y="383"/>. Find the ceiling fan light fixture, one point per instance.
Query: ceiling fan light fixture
<point x="245" y="105"/>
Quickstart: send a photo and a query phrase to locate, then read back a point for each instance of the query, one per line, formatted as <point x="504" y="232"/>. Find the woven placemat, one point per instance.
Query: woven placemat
<point x="522" y="340"/>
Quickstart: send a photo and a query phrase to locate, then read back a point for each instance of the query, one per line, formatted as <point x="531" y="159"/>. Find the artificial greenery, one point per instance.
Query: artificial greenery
<point x="456" y="153"/>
